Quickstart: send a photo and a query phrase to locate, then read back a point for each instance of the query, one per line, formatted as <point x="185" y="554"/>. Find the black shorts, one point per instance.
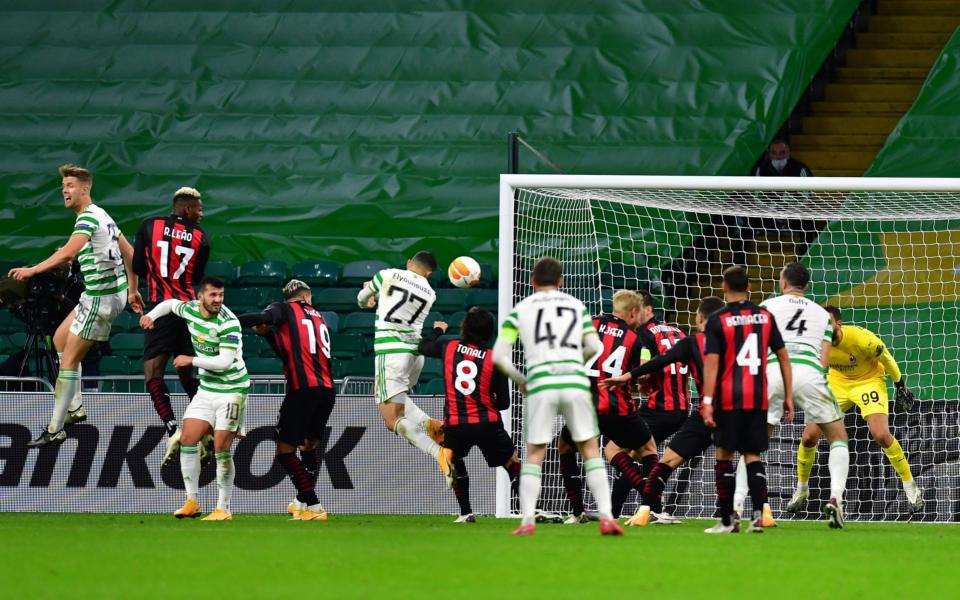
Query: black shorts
<point x="304" y="414"/>
<point x="693" y="438"/>
<point x="741" y="430"/>
<point x="663" y="423"/>
<point x="492" y="439"/>
<point x="630" y="432"/>
<point x="169" y="336"/>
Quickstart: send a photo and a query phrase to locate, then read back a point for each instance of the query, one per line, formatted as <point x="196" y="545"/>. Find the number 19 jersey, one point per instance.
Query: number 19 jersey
<point x="803" y="324"/>
<point x="551" y="327"/>
<point x="404" y="299"/>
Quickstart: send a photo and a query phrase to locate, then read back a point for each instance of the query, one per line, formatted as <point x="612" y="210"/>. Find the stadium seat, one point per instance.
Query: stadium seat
<point x="360" y="271"/>
<point x="337" y="367"/>
<point x="483" y="298"/>
<point x="126" y="322"/>
<point x="118" y="365"/>
<point x="434" y="387"/>
<point x="450" y="301"/>
<point x="243" y="300"/>
<point x="358" y="367"/>
<point x="127" y="344"/>
<point x="269" y="294"/>
<point x="322" y="273"/>
<point x="350" y="345"/>
<point x="256" y="345"/>
<point x="359" y="322"/>
<point x="488" y="276"/>
<point x="9" y="323"/>
<point x="263" y="272"/>
<point x="433" y="316"/>
<point x="264" y="366"/>
<point x="432" y="368"/>
<point x="223" y="269"/>
<point x="15" y="341"/>
<point x="454" y="321"/>
<point x="333" y="321"/>
<point x="337" y="299"/>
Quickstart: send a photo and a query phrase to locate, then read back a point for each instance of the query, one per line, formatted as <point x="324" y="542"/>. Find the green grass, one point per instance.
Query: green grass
<point x="257" y="556"/>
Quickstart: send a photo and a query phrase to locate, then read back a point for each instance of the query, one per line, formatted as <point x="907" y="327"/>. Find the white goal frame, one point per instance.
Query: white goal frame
<point x="509" y="184"/>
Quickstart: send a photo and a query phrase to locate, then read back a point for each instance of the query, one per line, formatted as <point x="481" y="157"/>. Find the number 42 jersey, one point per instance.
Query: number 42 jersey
<point x="551" y="326"/>
<point x="404" y="299"/>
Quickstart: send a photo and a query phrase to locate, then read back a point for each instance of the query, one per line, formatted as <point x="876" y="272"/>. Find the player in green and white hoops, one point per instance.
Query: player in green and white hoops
<point x="106" y="260"/>
<point x="403" y="298"/>
<point x="221" y="402"/>
<point x="558" y="338"/>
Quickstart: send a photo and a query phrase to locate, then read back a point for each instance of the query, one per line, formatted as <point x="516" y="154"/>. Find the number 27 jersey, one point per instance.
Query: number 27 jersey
<point x="404" y="299"/>
<point x="551" y="327"/>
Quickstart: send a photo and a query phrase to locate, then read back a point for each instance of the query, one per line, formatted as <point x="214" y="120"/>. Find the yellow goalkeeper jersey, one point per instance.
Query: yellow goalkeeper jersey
<point x="861" y="355"/>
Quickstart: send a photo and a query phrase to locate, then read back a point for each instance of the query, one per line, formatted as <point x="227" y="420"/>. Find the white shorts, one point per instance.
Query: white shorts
<point x="225" y="412"/>
<point x="395" y="374"/>
<point x="541" y="409"/>
<point x="93" y="316"/>
<point x="811" y="394"/>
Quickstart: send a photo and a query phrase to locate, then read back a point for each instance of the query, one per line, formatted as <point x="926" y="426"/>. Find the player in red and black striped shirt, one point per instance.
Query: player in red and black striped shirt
<point x="666" y="406"/>
<point x="735" y="380"/>
<point x="171" y="253"/>
<point x="693" y="437"/>
<point x="298" y="333"/>
<point x="475" y="392"/>
<point x="622" y="428"/>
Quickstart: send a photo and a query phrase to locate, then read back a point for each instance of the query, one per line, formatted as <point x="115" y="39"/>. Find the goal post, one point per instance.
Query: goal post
<point x="884" y="250"/>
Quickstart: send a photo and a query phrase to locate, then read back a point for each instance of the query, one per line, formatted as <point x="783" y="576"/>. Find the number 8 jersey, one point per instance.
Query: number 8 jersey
<point x="404" y="299"/>
<point x="551" y="327"/>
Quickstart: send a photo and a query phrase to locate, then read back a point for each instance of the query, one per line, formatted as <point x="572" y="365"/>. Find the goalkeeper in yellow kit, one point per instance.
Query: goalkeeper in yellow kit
<point x="859" y="364"/>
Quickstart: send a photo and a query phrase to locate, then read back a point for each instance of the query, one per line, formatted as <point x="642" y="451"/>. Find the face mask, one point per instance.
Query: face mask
<point x="779" y="163"/>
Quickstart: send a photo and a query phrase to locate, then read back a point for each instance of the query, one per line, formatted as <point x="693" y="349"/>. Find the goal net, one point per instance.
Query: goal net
<point x="886" y="251"/>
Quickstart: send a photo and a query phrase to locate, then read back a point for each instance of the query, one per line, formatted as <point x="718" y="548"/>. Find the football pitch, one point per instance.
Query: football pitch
<point x="354" y="556"/>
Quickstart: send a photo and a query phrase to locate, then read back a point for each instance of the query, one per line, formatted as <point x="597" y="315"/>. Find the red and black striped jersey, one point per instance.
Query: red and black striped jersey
<point x="301" y="339"/>
<point x="670" y="389"/>
<point x="171" y="254"/>
<point x="621" y="352"/>
<point x="688" y="351"/>
<point x="474" y="391"/>
<point x="741" y="334"/>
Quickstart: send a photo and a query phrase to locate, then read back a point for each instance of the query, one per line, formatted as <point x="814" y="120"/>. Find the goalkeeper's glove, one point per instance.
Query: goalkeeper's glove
<point x="905" y="397"/>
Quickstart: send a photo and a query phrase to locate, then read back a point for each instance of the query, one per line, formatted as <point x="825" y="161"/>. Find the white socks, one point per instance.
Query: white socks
<point x="596" y="475"/>
<point x="225" y="473"/>
<point x="75" y="402"/>
<point x="413" y="412"/>
<point x="530" y="490"/>
<point x="68" y="386"/>
<point x="409" y="431"/>
<point x="190" y="469"/>
<point x="742" y="489"/>
<point x="839" y="467"/>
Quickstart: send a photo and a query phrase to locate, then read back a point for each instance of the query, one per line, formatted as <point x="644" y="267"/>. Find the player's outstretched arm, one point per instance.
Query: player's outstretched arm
<point x="679" y="353"/>
<point x="367" y="298"/>
<point x="220" y="362"/>
<point x="133" y="279"/>
<point x="62" y="256"/>
<point x="430" y="344"/>
<point x="161" y="310"/>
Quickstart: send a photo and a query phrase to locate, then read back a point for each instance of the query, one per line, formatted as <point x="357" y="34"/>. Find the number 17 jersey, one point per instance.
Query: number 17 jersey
<point x="404" y="299"/>
<point x="551" y="327"/>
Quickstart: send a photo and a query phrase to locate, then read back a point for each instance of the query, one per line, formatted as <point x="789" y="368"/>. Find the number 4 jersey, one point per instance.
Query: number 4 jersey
<point x="171" y="254"/>
<point x="404" y="299"/>
<point x="804" y="326"/>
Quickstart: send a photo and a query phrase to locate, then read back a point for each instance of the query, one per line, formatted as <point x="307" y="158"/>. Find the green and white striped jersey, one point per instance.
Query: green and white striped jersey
<point x="404" y="299"/>
<point x="551" y="326"/>
<point x="804" y="326"/>
<point x="100" y="261"/>
<point x="208" y="337"/>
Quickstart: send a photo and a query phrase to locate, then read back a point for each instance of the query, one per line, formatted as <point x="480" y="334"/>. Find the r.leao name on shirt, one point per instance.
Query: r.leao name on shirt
<point x="400" y="277"/>
<point x="178" y="234"/>
<point x="611" y="331"/>
<point x="735" y="320"/>
<point x="474" y="352"/>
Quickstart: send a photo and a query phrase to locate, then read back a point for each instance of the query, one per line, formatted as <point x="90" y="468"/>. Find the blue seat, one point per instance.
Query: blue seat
<point x="263" y="272"/>
<point x="322" y="273"/>
<point x="360" y="271"/>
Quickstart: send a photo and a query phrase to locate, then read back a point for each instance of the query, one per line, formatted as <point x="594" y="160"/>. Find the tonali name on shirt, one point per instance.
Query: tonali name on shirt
<point x="736" y="320"/>
<point x="178" y="234"/>
<point x="615" y="332"/>
<point x="474" y="352"/>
